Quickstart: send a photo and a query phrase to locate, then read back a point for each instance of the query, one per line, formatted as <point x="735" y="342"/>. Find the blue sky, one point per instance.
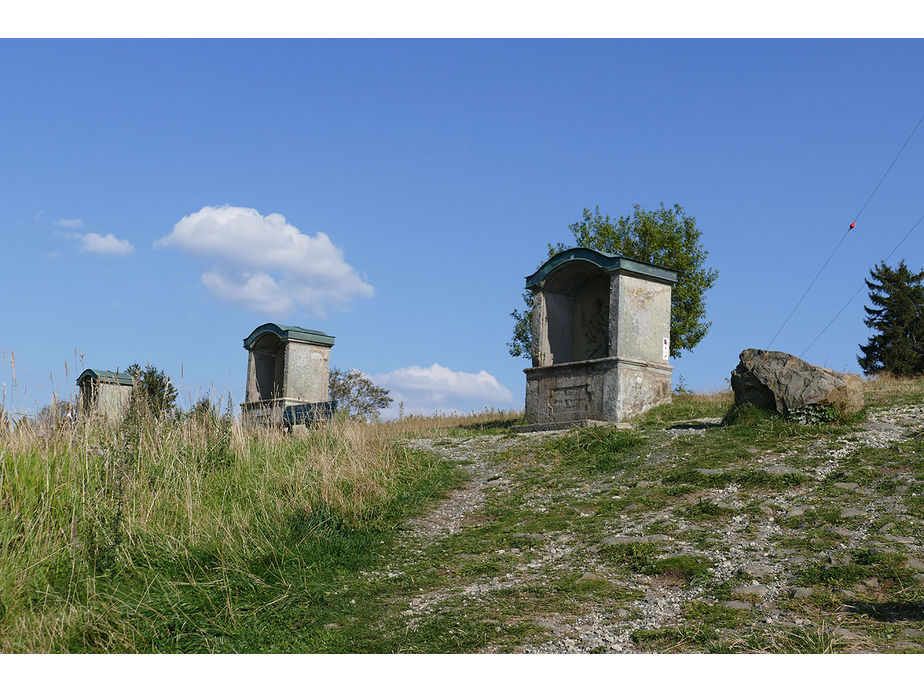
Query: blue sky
<point x="419" y="182"/>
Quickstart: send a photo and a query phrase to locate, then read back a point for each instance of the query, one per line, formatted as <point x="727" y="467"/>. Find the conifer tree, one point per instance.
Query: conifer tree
<point x="897" y="315"/>
<point x="153" y="389"/>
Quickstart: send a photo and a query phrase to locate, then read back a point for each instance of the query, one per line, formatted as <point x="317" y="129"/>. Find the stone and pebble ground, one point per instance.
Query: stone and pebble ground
<point x="760" y="545"/>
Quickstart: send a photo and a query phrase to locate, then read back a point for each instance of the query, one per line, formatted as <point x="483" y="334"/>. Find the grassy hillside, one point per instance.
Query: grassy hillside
<point x="683" y="534"/>
<point x="156" y="535"/>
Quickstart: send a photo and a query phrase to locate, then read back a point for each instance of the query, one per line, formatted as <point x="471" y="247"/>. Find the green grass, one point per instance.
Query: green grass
<point x="817" y="640"/>
<point x="276" y="598"/>
<point x="685" y="408"/>
<point x="686" y="568"/>
<point x="714" y="615"/>
<point x="642" y="557"/>
<point x="601" y="449"/>
<point x="167" y="536"/>
<point x="860" y="564"/>
<point x="636" y="556"/>
<point x="694" y="637"/>
<point x="705" y="510"/>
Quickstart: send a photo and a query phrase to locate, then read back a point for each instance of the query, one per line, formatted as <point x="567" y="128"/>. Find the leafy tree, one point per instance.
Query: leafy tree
<point x="356" y="394"/>
<point x="898" y="317"/>
<point x="665" y="236"/>
<point x="153" y="389"/>
<point x="56" y="413"/>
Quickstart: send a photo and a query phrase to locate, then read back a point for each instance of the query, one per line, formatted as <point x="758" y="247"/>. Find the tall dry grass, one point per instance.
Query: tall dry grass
<point x="80" y="502"/>
<point x="414" y="425"/>
<point x="887" y="388"/>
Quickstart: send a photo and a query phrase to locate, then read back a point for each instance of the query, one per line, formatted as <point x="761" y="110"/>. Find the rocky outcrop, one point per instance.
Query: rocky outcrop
<point x="782" y="382"/>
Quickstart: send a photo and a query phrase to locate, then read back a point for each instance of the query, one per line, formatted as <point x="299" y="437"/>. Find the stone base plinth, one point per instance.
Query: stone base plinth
<point x="266" y="412"/>
<point x="607" y="389"/>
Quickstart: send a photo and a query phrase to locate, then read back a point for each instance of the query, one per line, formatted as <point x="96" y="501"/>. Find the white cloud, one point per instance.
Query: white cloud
<point x="69" y="223"/>
<point x="266" y="263"/>
<point x="257" y="291"/>
<point x="437" y="388"/>
<point x="105" y="245"/>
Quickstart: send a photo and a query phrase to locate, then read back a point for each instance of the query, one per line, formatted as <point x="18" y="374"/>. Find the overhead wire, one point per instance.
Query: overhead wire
<point x="856" y="217"/>
<point x="851" y="299"/>
<point x="807" y="289"/>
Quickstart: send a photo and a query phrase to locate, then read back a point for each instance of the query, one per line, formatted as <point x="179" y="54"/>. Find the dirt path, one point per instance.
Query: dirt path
<point x="478" y="454"/>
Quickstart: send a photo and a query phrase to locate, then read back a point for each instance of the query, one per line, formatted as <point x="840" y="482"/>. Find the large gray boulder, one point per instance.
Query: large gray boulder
<point x="782" y="382"/>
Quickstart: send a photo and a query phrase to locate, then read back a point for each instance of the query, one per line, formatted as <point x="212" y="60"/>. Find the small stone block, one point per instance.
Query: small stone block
<point x="759" y="590"/>
<point x="738" y="605"/>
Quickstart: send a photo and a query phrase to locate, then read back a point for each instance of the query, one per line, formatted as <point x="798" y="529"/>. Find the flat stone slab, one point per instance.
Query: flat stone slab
<point x="734" y="604"/>
<point x="904" y="645"/>
<point x="759" y="590"/>
<point x="781" y="470"/>
<point x="881" y="426"/>
<point x="900" y="540"/>
<point x="696" y="424"/>
<point x="565" y="425"/>
<point x="758" y="570"/>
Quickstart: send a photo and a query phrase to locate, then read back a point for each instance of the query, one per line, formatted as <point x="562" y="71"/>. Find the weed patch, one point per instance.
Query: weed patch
<point x="819" y="640"/>
<point x="705" y="510"/>
<point x="602" y="449"/>
<point x="864" y="564"/>
<point x="714" y="615"/>
<point x="641" y="557"/>
<point x="674" y="639"/>
<point x="686" y="407"/>
<point x="636" y="557"/>
<point x="684" y="568"/>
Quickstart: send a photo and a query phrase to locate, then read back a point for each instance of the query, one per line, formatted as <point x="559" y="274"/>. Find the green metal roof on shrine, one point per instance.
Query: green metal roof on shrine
<point x="290" y="333"/>
<point x="111" y="377"/>
<point x="605" y="261"/>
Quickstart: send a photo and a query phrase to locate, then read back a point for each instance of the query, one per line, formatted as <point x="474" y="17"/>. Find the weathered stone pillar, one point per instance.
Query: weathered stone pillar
<point x="601" y="325"/>
<point x="106" y="394"/>
<point x="286" y="365"/>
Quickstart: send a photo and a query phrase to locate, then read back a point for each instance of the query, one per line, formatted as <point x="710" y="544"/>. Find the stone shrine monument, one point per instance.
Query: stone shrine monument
<point x="286" y="366"/>
<point x="104" y="393"/>
<point x="601" y="339"/>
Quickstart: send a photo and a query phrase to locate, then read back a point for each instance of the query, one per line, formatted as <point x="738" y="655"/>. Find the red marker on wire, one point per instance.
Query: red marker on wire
<point x="853" y="224"/>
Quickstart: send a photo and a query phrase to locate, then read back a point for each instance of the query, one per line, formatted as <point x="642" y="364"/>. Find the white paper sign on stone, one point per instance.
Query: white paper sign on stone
<point x="666" y="350"/>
